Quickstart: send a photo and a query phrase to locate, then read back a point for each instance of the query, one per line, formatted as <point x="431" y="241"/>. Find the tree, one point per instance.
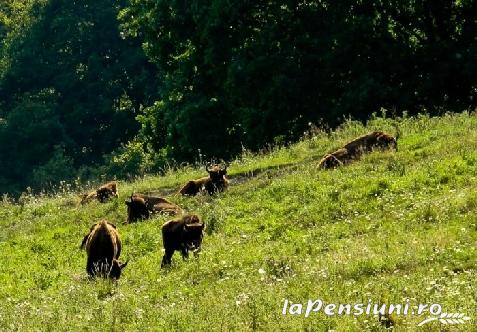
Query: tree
<point x="253" y="72"/>
<point x="93" y="82"/>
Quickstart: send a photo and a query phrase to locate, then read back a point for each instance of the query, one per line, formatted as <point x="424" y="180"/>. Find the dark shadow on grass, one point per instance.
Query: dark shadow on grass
<point x="239" y="178"/>
<point x="267" y="172"/>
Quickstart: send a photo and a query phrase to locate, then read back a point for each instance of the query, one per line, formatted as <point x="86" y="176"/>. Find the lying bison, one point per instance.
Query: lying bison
<point x="182" y="234"/>
<point x="354" y="149"/>
<point x="370" y="142"/>
<point x="103" y="247"/>
<point x="102" y="194"/>
<point x="215" y="182"/>
<point x="141" y="206"/>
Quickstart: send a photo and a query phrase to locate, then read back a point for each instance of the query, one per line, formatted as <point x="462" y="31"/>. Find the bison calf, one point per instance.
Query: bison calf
<point x="182" y="234"/>
<point x="142" y="206"/>
<point x="102" y="194"/>
<point x="103" y="247"/>
<point x="215" y="182"/>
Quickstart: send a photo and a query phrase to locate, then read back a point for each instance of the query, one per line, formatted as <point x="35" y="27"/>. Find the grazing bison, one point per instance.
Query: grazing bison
<point x="354" y="149"/>
<point x="215" y="182"/>
<point x="103" y="247"/>
<point x="102" y="194"/>
<point x="182" y="234"/>
<point x="142" y="206"/>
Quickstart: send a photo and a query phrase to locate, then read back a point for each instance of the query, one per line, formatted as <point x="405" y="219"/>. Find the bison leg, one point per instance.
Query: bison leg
<point x="91" y="268"/>
<point x="167" y="259"/>
<point x="184" y="252"/>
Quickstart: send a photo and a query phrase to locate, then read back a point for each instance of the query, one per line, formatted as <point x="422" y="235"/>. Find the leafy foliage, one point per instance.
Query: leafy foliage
<point x="268" y="68"/>
<point x="192" y="80"/>
<point x="69" y="80"/>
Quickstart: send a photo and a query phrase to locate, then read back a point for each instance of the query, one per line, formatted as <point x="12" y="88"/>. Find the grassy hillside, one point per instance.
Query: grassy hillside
<point x="391" y="226"/>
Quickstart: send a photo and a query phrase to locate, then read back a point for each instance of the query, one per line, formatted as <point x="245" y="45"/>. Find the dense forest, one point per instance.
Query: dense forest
<point x="119" y="88"/>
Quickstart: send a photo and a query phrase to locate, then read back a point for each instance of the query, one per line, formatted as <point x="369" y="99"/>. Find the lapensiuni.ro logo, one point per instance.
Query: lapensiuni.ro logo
<point x="430" y="312"/>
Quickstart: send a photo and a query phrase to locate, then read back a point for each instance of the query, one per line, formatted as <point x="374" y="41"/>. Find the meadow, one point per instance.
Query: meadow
<point x="392" y="226"/>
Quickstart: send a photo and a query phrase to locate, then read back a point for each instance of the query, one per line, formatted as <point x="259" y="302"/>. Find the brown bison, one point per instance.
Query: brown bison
<point x="141" y="206"/>
<point x="182" y="234"/>
<point x="215" y="182"/>
<point x="102" y="194"/>
<point x="370" y="142"/>
<point x="354" y="149"/>
<point x="103" y="247"/>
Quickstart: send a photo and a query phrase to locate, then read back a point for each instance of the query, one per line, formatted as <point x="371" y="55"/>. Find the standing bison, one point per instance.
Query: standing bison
<point x="377" y="140"/>
<point x="102" y="194"/>
<point x="141" y="206"/>
<point x="215" y="182"/>
<point x="182" y="234"/>
<point x="103" y="247"/>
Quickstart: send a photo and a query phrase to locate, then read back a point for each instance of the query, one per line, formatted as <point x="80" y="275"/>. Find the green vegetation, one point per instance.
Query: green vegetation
<point x="122" y="88"/>
<point x="70" y="89"/>
<point x="390" y="226"/>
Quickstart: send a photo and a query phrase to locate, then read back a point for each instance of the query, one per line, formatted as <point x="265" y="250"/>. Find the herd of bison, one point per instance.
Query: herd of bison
<point x="184" y="234"/>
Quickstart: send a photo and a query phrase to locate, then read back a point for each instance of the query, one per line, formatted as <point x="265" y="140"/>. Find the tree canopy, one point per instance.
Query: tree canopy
<point x="247" y="73"/>
<point x="126" y="86"/>
<point x="70" y="89"/>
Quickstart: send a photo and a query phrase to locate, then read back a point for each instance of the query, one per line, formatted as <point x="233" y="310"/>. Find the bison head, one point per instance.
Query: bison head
<point x="116" y="269"/>
<point x="387" y="141"/>
<point x="216" y="172"/>
<point x="193" y="232"/>
<point x="137" y="208"/>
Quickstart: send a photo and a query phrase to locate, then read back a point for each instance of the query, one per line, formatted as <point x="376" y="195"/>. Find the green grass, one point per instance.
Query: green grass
<point x="390" y="226"/>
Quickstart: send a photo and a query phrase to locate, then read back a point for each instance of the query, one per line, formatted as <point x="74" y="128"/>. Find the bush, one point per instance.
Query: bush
<point x="132" y="160"/>
<point x="58" y="168"/>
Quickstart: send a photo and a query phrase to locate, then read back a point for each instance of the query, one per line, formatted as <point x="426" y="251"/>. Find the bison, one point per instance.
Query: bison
<point x="354" y="149"/>
<point x="215" y="182"/>
<point x="102" y="194"/>
<point x="141" y="206"/>
<point x="371" y="141"/>
<point x="103" y="247"/>
<point x="182" y="234"/>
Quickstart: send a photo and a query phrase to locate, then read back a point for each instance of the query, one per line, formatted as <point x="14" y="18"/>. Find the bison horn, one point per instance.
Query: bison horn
<point x="195" y="225"/>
